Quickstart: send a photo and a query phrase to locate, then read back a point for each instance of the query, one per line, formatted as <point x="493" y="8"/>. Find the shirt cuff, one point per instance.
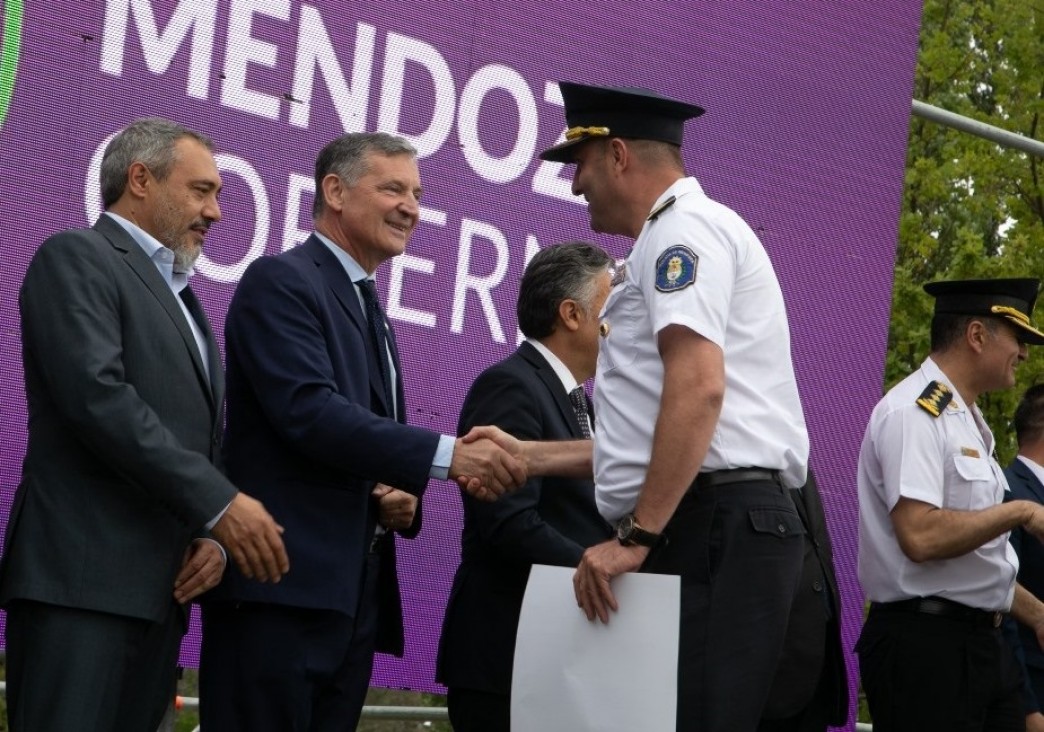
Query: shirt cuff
<point x="440" y="464"/>
<point x="213" y="522"/>
<point x="215" y="542"/>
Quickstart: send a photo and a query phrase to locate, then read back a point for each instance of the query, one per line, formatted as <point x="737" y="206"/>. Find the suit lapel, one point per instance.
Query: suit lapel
<point x="1023" y="471"/>
<point x="332" y="272"/>
<point x="217" y="378"/>
<point x="146" y="271"/>
<point x="554" y="386"/>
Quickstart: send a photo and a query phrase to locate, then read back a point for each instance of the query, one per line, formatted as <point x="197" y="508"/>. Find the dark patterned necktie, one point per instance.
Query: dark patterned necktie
<point x="379" y="334"/>
<point x="579" y="400"/>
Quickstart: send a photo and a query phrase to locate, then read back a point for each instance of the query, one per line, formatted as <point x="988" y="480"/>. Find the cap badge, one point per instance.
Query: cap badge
<point x="575" y="133"/>
<point x="1011" y="313"/>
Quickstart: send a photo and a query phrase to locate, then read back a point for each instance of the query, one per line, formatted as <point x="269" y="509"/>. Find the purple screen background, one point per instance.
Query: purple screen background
<point x="808" y="106"/>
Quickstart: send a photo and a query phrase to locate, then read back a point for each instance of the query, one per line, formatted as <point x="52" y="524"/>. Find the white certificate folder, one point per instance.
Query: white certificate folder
<point x="575" y="675"/>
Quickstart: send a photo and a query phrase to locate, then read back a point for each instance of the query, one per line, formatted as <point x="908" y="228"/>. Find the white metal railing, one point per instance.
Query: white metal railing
<point x="419" y="714"/>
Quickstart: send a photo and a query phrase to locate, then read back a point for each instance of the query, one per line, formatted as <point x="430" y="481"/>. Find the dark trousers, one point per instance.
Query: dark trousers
<point x="478" y="711"/>
<point x="275" y="668"/>
<point x="738" y="550"/>
<point x="75" y="669"/>
<point x="813" y="717"/>
<point x="1036" y="681"/>
<point x="924" y="672"/>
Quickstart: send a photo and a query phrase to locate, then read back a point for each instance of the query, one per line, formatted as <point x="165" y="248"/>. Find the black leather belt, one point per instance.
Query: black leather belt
<point x="738" y="475"/>
<point x="943" y="608"/>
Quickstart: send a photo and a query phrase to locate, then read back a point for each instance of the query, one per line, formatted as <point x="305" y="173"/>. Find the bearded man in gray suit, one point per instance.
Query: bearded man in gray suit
<point x="109" y="535"/>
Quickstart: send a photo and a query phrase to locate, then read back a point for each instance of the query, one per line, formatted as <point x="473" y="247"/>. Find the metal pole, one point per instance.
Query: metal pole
<point x="979" y="129"/>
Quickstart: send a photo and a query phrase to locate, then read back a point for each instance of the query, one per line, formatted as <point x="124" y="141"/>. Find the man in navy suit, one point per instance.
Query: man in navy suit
<point x="1025" y="477"/>
<point x="534" y="394"/>
<point x="316" y="428"/>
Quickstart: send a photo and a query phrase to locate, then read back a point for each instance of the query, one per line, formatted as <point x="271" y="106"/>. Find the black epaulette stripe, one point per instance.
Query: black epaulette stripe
<point x="934" y="398"/>
<point x="661" y="208"/>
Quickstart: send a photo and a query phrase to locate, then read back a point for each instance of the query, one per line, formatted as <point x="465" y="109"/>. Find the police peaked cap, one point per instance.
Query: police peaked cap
<point x="600" y="111"/>
<point x="1011" y="299"/>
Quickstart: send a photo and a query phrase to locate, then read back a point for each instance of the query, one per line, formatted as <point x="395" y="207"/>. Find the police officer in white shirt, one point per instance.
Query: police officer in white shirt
<point x="701" y="431"/>
<point x="934" y="557"/>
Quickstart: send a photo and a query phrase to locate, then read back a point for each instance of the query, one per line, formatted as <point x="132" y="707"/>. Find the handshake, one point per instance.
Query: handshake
<point x="487" y="462"/>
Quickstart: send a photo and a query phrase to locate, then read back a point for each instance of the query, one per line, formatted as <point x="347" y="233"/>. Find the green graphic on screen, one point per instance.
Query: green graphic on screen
<point x="12" y="42"/>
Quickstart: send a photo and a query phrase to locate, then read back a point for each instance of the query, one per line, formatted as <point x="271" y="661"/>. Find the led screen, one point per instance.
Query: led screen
<point x="807" y="112"/>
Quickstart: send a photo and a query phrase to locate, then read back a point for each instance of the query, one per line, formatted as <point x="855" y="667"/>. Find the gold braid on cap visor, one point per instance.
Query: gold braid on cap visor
<point x="575" y="133"/>
<point x="1011" y="313"/>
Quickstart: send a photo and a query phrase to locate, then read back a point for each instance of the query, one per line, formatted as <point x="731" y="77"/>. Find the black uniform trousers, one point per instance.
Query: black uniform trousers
<point x="923" y="672"/>
<point x="738" y="549"/>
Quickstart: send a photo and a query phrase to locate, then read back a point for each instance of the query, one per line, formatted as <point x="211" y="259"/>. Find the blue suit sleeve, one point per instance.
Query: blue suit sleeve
<point x="308" y="370"/>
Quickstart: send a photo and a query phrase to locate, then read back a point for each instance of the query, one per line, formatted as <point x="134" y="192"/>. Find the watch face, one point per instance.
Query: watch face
<point x="625" y="528"/>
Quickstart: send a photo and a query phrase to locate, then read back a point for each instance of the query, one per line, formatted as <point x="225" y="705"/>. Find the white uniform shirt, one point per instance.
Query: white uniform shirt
<point x="735" y="302"/>
<point x="946" y="461"/>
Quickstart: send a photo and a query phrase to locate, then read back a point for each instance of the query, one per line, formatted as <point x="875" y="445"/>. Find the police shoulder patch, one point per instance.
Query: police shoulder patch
<point x="934" y="398"/>
<point x="676" y="268"/>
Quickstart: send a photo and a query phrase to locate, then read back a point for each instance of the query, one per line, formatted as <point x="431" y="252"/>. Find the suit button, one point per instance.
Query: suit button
<point x="782" y="529"/>
<point x="817" y="586"/>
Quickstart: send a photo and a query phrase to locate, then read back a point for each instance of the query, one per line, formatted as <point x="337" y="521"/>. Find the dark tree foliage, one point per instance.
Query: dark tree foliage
<point x="971" y="208"/>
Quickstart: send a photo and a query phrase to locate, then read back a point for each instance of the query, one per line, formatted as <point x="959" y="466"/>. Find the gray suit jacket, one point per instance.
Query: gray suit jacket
<point x="124" y="430"/>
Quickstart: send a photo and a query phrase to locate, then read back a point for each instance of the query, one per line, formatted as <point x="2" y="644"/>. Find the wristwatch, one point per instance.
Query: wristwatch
<point x="630" y="533"/>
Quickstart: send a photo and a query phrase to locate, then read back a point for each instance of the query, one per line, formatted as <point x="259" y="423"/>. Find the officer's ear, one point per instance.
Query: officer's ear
<point x="977" y="333"/>
<point x="619" y="154"/>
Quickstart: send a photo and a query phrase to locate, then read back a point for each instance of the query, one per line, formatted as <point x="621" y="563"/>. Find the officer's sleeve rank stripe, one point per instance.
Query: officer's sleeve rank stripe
<point x="935" y="398"/>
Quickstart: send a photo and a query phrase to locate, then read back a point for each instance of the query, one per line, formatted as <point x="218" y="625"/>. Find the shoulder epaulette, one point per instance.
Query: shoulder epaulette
<point x="935" y="398"/>
<point x="661" y="208"/>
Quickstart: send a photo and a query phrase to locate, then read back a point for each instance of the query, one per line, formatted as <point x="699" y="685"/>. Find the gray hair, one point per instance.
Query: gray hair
<point x="566" y="271"/>
<point x="347" y="157"/>
<point x="149" y="141"/>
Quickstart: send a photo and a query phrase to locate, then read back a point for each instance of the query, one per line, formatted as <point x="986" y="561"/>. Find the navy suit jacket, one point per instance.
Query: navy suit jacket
<point x="547" y="521"/>
<point x="1025" y="486"/>
<point x="309" y="434"/>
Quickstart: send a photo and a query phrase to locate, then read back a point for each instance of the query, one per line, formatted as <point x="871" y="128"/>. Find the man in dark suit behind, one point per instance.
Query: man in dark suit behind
<point x="1025" y="477"/>
<point x="106" y="541"/>
<point x="316" y="428"/>
<point x="810" y="690"/>
<point x="533" y="396"/>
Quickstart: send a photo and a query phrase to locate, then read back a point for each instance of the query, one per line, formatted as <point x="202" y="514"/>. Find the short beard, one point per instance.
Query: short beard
<point x="185" y="256"/>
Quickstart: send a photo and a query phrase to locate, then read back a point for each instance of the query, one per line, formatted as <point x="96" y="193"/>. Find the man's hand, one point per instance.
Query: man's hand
<point x="597" y="567"/>
<point x="1035" y="523"/>
<point x="484" y="469"/>
<point x="253" y="539"/>
<point x="396" y="508"/>
<point x="562" y="458"/>
<point x="1035" y="722"/>
<point x="512" y="445"/>
<point x="201" y="569"/>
